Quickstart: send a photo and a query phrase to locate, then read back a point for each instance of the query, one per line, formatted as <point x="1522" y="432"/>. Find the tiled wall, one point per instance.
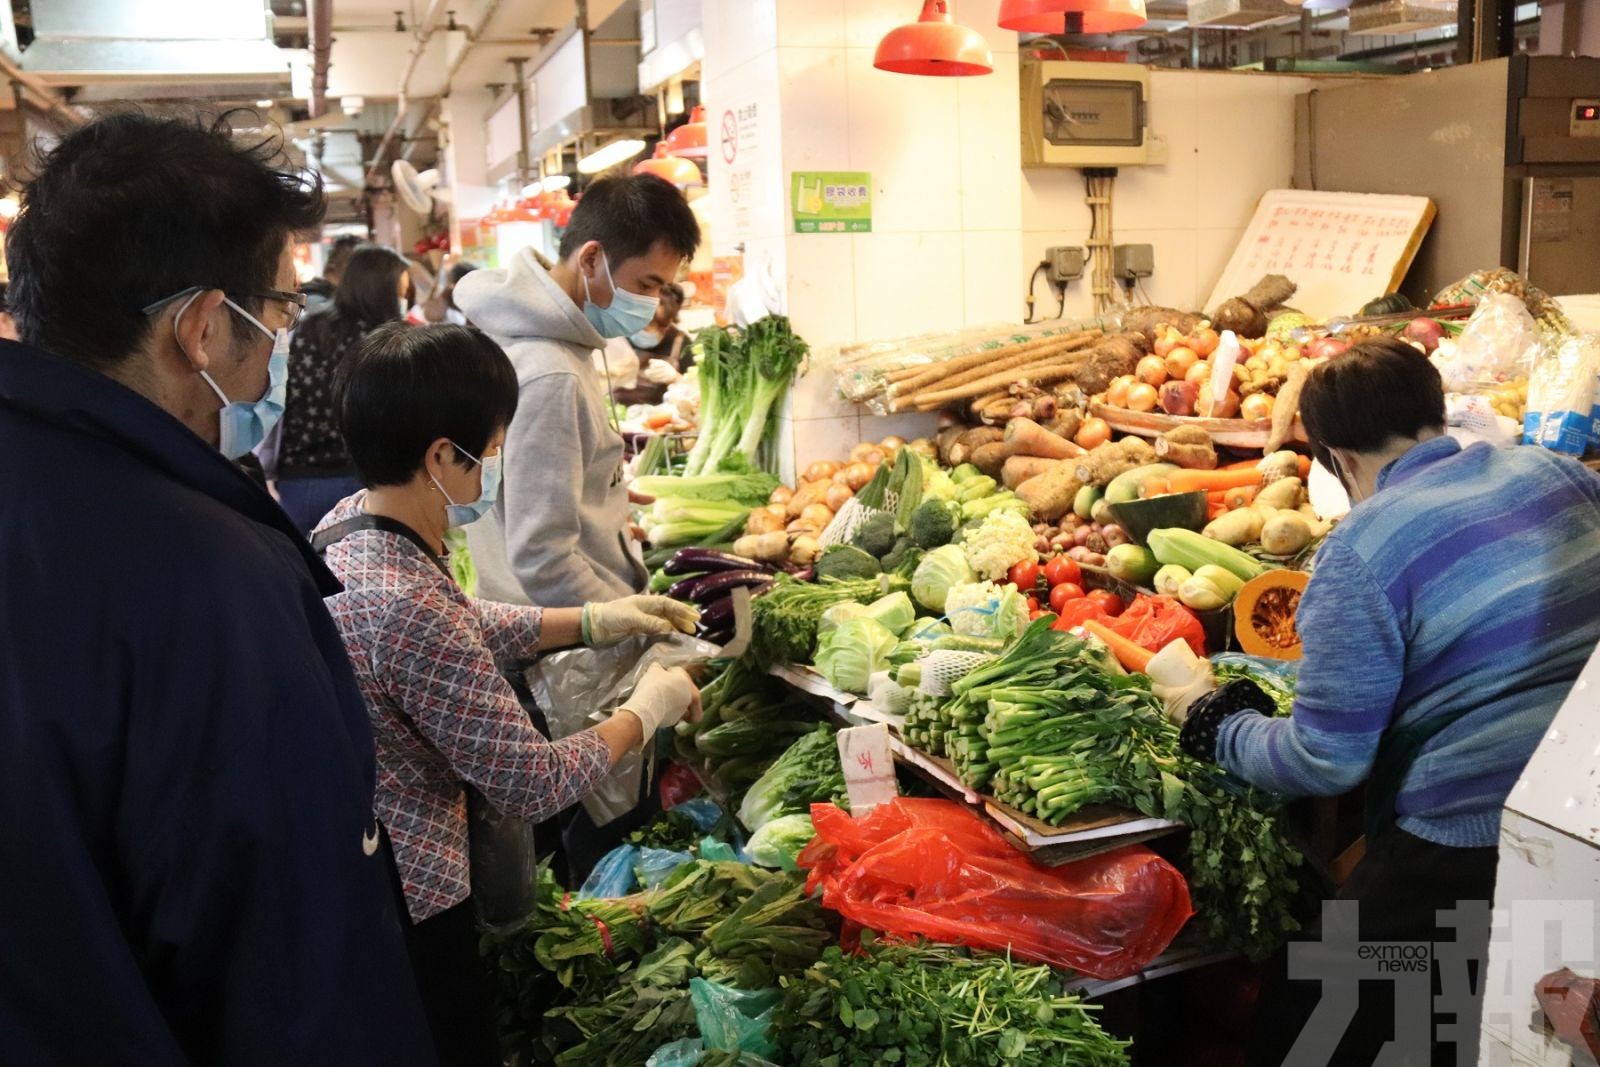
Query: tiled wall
<point x="1230" y="138"/>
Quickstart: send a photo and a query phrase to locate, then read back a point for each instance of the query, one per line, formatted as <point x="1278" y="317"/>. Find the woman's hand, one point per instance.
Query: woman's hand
<point x="659" y="372"/>
<point x="664" y="697"/>
<point x="616" y="619"/>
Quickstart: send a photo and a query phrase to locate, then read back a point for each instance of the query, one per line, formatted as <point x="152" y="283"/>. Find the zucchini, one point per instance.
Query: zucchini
<point x="661" y="581"/>
<point x="1125" y="486"/>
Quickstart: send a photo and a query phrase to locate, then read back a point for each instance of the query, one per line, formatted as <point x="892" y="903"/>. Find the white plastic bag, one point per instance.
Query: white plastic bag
<point x="579" y="687"/>
<point x="1561" y="394"/>
<point x="1496" y="347"/>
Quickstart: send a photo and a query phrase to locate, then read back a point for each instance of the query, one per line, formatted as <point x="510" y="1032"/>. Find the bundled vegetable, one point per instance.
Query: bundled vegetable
<point x="747" y="720"/>
<point x="787" y="616"/>
<point x="808" y="772"/>
<point x="743" y="378"/>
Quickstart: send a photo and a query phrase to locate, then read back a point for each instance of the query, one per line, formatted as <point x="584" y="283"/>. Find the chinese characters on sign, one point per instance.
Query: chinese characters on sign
<point x="831" y="201"/>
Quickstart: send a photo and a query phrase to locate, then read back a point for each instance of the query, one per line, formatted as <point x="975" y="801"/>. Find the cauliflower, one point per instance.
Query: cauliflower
<point x="1003" y="539"/>
<point x="983" y="609"/>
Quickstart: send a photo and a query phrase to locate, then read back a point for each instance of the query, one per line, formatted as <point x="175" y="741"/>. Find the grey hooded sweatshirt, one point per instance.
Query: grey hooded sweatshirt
<point x="558" y="536"/>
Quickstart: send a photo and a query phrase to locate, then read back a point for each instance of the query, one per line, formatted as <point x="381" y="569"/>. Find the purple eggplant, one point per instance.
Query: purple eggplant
<point x="716" y="637"/>
<point x="704" y="588"/>
<point x="717" y="614"/>
<point x="693" y="560"/>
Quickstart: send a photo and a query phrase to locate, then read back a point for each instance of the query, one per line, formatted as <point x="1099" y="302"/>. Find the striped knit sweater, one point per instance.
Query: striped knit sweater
<point x="1472" y="576"/>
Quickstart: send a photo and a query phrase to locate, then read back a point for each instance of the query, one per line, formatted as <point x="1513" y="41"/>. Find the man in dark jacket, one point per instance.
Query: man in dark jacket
<point x="192" y="869"/>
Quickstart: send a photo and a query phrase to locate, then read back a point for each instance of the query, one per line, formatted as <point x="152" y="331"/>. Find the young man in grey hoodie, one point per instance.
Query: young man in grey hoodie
<point x="559" y="534"/>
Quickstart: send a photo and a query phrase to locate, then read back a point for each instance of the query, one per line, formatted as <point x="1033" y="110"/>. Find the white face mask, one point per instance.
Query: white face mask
<point x="1341" y="472"/>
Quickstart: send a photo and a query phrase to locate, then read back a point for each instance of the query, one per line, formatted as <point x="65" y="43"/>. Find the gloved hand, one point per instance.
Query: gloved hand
<point x="663" y="698"/>
<point x="615" y="619"/>
<point x="659" y="372"/>
<point x="1207" y="714"/>
<point x="1178" y="678"/>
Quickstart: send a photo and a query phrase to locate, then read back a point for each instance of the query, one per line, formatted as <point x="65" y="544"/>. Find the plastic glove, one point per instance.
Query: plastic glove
<point x="662" y="698"/>
<point x="659" y="372"/>
<point x="1178" y="678"/>
<point x="616" y="619"/>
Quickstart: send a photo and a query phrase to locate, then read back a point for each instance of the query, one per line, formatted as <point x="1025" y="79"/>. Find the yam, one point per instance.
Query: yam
<point x="1148" y="321"/>
<point x="1113" y="458"/>
<point x="1109" y="360"/>
<point x="1028" y="438"/>
<point x="991" y="458"/>
<point x="1068" y="421"/>
<point x="1019" y="469"/>
<point x="975" y="438"/>
<point x="1287" y="405"/>
<point x="1049" y="495"/>
<point x="1189" y="447"/>
<point x="946" y="439"/>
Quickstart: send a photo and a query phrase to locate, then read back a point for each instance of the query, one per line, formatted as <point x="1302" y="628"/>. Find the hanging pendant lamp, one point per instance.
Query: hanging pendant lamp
<point x="1072" y="16"/>
<point x="675" y="169"/>
<point x="934" y="45"/>
<point x="689" y="140"/>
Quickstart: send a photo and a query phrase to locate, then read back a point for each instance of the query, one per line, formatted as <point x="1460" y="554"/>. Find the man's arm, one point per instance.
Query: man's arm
<point x="1350" y="677"/>
<point x="543" y="493"/>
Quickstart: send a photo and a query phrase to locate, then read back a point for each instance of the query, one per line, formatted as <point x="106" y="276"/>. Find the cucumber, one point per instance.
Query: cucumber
<point x="962" y="643"/>
<point x="1125" y="486"/>
<point x="1132" y="564"/>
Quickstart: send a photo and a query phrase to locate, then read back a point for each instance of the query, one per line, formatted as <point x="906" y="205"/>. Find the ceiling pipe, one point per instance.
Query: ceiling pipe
<point x="424" y="35"/>
<point x="321" y="50"/>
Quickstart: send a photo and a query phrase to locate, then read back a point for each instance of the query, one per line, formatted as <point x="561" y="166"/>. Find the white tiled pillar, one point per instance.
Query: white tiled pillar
<point x="944" y="158"/>
<point x="466" y="161"/>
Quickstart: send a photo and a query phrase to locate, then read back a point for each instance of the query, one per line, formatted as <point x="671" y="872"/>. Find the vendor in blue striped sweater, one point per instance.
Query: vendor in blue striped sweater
<point x="1447" y="618"/>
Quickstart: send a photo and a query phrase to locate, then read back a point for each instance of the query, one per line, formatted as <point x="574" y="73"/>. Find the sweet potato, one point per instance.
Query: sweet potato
<point x="990" y="458"/>
<point x="1049" y="495"/>
<point x="1028" y="438"/>
<point x="1019" y="469"/>
<point x="1187" y="446"/>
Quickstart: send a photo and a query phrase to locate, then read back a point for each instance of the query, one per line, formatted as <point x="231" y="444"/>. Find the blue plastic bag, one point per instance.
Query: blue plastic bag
<point x="653" y="865"/>
<point x="613" y="876"/>
<point x="705" y="812"/>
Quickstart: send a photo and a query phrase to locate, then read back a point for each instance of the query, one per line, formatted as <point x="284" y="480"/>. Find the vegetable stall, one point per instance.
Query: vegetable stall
<point x="1003" y="594"/>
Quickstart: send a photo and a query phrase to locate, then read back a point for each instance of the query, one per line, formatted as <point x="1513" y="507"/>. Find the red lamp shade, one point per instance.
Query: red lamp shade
<point x="675" y="169"/>
<point x="934" y="45"/>
<point x="689" y="140"/>
<point x="1072" y="16"/>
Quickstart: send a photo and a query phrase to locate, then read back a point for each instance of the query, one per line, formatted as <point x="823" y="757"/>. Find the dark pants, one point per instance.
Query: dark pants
<point x="307" y="500"/>
<point x="1400" y="886"/>
<point x="456" y="994"/>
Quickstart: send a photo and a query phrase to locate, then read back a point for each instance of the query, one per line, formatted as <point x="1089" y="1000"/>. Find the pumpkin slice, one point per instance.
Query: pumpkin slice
<point x="1263" y="614"/>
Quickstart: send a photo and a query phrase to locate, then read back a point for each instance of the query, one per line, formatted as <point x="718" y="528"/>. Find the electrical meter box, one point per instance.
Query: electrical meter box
<point x="1085" y="115"/>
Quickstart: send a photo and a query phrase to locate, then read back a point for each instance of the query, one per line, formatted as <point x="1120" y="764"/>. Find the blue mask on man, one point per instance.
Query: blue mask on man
<point x="629" y="312"/>
<point x="243" y="425"/>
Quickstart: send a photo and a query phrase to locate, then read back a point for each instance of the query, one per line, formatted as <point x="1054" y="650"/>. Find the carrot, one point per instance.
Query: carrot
<point x="1215" y="509"/>
<point x="1188" y="481"/>
<point x="1152" y="487"/>
<point x="1242" y="465"/>
<point x="1132" y="657"/>
<point x="1028" y="438"/>
<point x="1238" y="497"/>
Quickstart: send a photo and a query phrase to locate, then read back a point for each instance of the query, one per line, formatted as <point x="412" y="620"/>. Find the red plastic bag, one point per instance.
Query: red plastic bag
<point x="1154" y="622"/>
<point x="678" y="783"/>
<point x="932" y="868"/>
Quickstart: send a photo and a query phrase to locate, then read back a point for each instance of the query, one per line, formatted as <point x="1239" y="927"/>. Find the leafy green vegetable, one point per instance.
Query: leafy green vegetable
<point x="785" y="618"/>
<point x="743" y="377"/>
<point x="808" y="773"/>
<point x="671" y="830"/>
<point x="848" y="655"/>
<point x="846" y="561"/>
<point x="749" y="489"/>
<point x="780" y="841"/>
<point x="940" y="570"/>
<point x="923" y="1005"/>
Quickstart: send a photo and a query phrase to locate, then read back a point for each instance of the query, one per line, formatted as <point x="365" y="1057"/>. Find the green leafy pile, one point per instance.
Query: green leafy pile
<point x="785" y="617"/>
<point x="748" y="719"/>
<point x="743" y="378"/>
<point x="1049" y="730"/>
<point x="808" y="773"/>
<point x="671" y="830"/>
<point x="923" y="1005"/>
<point x="606" y="982"/>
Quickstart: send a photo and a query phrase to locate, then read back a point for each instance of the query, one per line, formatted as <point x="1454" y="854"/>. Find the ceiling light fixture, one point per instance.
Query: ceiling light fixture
<point x="675" y="169"/>
<point x="548" y="184"/>
<point x="689" y="140"/>
<point x="1072" y="16"/>
<point x="934" y="45"/>
<point x="609" y="155"/>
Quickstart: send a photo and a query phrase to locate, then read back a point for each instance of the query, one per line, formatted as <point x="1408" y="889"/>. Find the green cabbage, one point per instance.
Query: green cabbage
<point x="808" y="772"/>
<point x="894" y="612"/>
<point x="838" y="614"/>
<point x="928" y="630"/>
<point x="849" y="654"/>
<point x="940" y="570"/>
<point x="780" y="841"/>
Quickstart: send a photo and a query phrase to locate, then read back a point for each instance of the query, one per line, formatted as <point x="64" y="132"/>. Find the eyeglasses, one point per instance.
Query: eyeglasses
<point x="296" y="302"/>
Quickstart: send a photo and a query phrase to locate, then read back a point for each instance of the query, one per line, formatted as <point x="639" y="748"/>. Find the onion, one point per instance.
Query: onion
<point x="1115" y="535"/>
<point x="924" y="447"/>
<point x="837" y="496"/>
<point x="822" y="468"/>
<point x="819" y="515"/>
<point x="858" y="454"/>
<point x="781" y="495"/>
<point x="857" y="475"/>
<point x="1077" y="553"/>
<point x="873" y="456"/>
<point x="762" y="520"/>
<point x="892" y="443"/>
<point x="1041" y="544"/>
<point x="800" y="526"/>
<point x="780" y="510"/>
<point x="1093" y="559"/>
<point x="1081" y="535"/>
<point x="1061" y="540"/>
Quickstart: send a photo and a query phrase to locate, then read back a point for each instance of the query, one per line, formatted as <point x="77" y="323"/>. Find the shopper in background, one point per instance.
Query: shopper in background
<point x="193" y="872"/>
<point x="441" y="303"/>
<point x="313" y="470"/>
<point x="559" y="534"/>
<point x="425" y="411"/>
<point x="1448" y="616"/>
<point x="319" y="291"/>
<point x="663" y="352"/>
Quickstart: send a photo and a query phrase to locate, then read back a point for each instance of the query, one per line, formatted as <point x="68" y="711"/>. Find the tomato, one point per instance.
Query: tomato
<point x="1109" y="602"/>
<point x="1033" y="607"/>
<point x="1061" y="569"/>
<point x="1076" y="613"/>
<point x="1060" y="594"/>
<point x="1024" y="575"/>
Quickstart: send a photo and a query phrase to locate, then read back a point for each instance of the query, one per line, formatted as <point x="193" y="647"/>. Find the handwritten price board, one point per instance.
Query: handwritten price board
<point x="1341" y="249"/>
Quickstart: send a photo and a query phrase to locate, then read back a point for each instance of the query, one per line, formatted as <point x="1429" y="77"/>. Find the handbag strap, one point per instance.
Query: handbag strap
<point x="322" y="540"/>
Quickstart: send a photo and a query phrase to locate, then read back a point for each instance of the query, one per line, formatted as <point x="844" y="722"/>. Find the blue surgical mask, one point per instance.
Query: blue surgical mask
<point x="645" y="339"/>
<point x="244" y="425"/>
<point x="628" y="314"/>
<point x="458" y="515"/>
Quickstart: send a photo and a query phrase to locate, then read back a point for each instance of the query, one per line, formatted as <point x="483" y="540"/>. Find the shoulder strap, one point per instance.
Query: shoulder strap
<point x="322" y="539"/>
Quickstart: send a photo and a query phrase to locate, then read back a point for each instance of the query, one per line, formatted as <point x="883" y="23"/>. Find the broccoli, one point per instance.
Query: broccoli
<point x="904" y="550"/>
<point x="875" y="537"/>
<point x="846" y="561"/>
<point x="934" y="523"/>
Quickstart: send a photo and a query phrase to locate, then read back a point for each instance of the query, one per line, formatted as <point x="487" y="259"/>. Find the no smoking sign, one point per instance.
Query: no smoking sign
<point x="730" y="137"/>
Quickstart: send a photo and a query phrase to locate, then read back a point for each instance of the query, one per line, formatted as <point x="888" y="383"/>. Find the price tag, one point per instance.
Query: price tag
<point x="868" y="766"/>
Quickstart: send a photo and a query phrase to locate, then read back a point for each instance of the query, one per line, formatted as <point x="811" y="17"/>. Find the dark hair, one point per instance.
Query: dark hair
<point x="1376" y="391"/>
<point x="672" y="300"/>
<point x="453" y="277"/>
<point x="339" y="254"/>
<point x="131" y="209"/>
<point x="629" y="216"/>
<point x="367" y="297"/>
<point x="404" y="387"/>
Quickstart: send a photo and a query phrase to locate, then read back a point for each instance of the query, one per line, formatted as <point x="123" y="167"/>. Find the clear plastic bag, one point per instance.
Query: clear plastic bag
<point x="1561" y="395"/>
<point x="579" y="687"/>
<point x="1495" y="348"/>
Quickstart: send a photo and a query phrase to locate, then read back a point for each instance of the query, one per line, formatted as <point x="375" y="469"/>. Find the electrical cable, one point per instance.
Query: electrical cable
<point x="1033" y="281"/>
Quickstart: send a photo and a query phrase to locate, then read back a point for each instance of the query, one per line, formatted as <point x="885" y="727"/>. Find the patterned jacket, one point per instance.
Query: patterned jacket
<point x="425" y="656"/>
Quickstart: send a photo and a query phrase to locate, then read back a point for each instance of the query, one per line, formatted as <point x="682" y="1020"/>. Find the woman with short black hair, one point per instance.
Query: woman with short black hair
<point x="312" y="467"/>
<point x="424" y="412"/>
